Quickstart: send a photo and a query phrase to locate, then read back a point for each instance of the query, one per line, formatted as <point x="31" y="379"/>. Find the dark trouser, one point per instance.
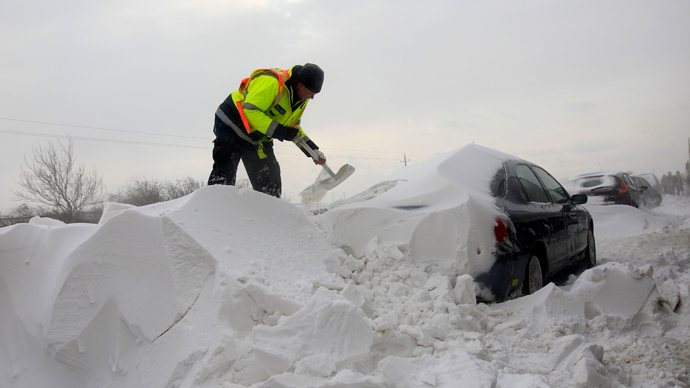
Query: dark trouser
<point x="264" y="174"/>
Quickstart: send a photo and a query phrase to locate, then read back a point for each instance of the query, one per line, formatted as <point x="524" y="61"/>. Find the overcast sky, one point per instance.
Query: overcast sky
<point x="575" y="86"/>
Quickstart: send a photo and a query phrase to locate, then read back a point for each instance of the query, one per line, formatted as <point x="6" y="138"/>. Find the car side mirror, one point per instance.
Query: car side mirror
<point x="579" y="199"/>
<point x="643" y="188"/>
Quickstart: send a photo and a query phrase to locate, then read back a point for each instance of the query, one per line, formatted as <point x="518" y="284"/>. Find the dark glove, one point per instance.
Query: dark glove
<point x="283" y="133"/>
<point x="312" y="146"/>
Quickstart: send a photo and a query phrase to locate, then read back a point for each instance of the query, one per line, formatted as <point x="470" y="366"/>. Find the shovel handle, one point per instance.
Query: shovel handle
<point x="329" y="171"/>
<point x="301" y="143"/>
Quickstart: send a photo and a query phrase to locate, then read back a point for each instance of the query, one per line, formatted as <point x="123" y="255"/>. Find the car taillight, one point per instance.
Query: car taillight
<point x="500" y="230"/>
<point x="623" y="189"/>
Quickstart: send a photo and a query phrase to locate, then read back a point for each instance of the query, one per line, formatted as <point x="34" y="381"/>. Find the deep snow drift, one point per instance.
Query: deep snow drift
<point x="232" y="288"/>
<point x="440" y="213"/>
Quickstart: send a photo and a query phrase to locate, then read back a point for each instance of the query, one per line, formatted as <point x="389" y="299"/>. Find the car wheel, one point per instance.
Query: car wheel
<point x="590" y="250"/>
<point x="534" y="278"/>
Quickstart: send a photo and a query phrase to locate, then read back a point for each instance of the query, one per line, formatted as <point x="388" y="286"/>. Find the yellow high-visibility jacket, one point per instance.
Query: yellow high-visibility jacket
<point x="266" y="105"/>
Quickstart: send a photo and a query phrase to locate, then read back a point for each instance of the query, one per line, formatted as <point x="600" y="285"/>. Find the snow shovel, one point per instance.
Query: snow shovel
<point x="326" y="180"/>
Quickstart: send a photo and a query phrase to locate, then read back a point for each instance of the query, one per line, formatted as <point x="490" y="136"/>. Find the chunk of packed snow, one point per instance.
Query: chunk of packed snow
<point x="329" y="333"/>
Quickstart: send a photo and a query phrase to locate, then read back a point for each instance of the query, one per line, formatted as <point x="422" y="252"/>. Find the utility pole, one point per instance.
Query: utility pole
<point x="405" y="160"/>
<point x="687" y="164"/>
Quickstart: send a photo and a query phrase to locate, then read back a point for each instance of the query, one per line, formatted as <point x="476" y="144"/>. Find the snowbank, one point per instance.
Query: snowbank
<point x="232" y="288"/>
<point x="439" y="213"/>
<point x="612" y="221"/>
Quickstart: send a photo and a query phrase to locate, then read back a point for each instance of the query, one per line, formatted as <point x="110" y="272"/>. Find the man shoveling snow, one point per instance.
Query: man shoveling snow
<point x="268" y="105"/>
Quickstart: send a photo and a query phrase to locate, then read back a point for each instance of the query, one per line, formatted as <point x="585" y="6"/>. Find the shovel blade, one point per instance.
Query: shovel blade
<point x="343" y="173"/>
<point x="323" y="183"/>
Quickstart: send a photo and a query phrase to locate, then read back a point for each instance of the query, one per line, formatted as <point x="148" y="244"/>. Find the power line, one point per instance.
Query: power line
<point x="100" y="128"/>
<point x="137" y="142"/>
<point x="376" y="151"/>
<point x="104" y="140"/>
<point x="160" y="134"/>
<point x="144" y="133"/>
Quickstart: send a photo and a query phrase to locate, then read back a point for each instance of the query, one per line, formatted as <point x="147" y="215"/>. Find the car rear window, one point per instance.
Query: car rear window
<point x="592" y="182"/>
<point x="498" y="184"/>
<point x="597" y="181"/>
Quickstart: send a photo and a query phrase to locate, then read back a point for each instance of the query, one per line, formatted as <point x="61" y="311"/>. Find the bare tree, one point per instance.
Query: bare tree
<point x="182" y="187"/>
<point x="20" y="214"/>
<point x="143" y="191"/>
<point x="51" y="178"/>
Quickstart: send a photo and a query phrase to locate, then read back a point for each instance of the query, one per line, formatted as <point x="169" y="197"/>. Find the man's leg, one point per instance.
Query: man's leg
<point x="225" y="161"/>
<point x="264" y="174"/>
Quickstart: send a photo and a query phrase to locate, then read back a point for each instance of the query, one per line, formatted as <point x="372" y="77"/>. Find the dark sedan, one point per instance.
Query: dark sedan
<point x="548" y="230"/>
<point x="503" y="220"/>
<point x="607" y="188"/>
<point x="650" y="196"/>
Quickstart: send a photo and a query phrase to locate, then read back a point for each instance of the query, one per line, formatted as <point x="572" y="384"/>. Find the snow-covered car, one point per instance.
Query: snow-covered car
<point x="607" y="188"/>
<point x="503" y="220"/>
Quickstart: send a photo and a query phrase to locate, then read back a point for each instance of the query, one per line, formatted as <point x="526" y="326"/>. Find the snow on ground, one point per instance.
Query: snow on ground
<point x="231" y="288"/>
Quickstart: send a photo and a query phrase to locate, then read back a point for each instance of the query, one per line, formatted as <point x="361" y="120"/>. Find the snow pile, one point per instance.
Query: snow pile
<point x="440" y="213"/>
<point x="232" y="288"/>
<point x="622" y="220"/>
